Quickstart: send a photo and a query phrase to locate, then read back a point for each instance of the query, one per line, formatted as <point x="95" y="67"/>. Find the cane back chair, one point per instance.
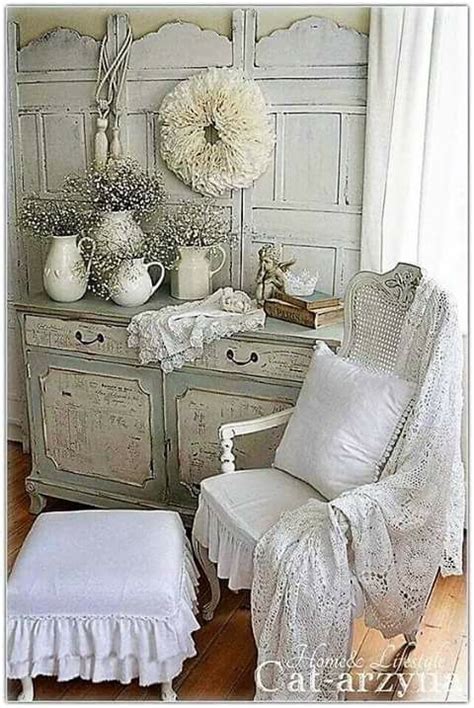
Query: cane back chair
<point x="237" y="507"/>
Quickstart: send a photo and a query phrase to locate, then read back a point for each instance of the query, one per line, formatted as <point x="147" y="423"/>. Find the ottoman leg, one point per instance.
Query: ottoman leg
<point x="27" y="690"/>
<point x="167" y="693"/>
<point x="211" y="574"/>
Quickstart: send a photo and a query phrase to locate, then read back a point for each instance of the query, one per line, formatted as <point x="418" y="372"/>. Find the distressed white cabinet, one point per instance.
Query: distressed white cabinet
<point x="313" y="75"/>
<point x="196" y="404"/>
<point x="97" y="429"/>
<point x="109" y="432"/>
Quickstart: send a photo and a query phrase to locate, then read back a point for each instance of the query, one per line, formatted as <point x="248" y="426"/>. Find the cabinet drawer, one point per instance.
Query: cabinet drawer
<point x="261" y="359"/>
<point x="77" y="336"/>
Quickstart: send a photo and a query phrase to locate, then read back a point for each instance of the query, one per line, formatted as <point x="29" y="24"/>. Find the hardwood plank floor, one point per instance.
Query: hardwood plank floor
<point x="223" y="668"/>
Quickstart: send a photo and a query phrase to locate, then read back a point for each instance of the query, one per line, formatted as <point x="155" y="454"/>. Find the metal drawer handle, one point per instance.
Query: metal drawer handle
<point x="252" y="358"/>
<point x="100" y="338"/>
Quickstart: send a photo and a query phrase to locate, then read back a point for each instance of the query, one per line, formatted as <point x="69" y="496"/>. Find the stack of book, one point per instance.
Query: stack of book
<point x="316" y="310"/>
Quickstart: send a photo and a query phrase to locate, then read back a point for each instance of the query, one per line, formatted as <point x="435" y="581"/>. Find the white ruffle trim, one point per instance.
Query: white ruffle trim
<point x="232" y="555"/>
<point x="106" y="648"/>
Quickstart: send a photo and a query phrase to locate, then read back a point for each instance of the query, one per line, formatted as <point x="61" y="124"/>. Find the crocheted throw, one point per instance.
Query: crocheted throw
<point x="401" y="530"/>
<point x="176" y="335"/>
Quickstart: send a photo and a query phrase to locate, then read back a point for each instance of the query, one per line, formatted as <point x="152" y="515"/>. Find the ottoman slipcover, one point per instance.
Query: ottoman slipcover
<point x="103" y="595"/>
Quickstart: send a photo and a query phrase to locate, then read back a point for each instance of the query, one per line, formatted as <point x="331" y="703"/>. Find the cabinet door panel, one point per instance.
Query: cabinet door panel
<point x="98" y="425"/>
<point x="196" y="405"/>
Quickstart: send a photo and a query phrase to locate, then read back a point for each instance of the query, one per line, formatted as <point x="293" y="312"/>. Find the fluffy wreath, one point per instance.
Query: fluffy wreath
<point x="215" y="131"/>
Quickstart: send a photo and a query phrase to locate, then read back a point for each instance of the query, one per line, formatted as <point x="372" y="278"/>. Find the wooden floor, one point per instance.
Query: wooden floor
<point x="223" y="668"/>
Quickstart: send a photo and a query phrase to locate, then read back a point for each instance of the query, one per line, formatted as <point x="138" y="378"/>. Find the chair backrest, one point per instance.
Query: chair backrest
<point x="375" y="305"/>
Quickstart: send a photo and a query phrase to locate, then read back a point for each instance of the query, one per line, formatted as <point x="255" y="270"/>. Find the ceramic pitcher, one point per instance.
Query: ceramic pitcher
<point x="192" y="278"/>
<point x="65" y="272"/>
<point x="131" y="284"/>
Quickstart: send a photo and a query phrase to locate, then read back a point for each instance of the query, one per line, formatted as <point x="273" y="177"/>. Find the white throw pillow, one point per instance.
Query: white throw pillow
<point x="345" y="422"/>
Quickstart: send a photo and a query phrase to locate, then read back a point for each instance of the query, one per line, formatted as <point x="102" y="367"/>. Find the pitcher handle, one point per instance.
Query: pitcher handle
<point x="221" y="264"/>
<point x="82" y="240"/>
<point x="161" y="278"/>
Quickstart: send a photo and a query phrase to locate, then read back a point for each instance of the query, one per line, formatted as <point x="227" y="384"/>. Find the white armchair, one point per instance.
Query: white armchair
<point x="237" y="507"/>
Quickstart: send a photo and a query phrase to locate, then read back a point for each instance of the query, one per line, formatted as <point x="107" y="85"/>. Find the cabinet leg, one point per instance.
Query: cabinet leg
<point x="37" y="500"/>
<point x="211" y="574"/>
<point x="27" y="690"/>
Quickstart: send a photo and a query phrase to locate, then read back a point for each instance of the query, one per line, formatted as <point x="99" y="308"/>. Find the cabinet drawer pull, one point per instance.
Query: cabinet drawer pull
<point x="252" y="358"/>
<point x="100" y="338"/>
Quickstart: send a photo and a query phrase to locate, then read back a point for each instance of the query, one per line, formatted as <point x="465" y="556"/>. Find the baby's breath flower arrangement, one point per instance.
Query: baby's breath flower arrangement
<point x="198" y="224"/>
<point x="122" y="195"/>
<point x="121" y="185"/>
<point x="41" y="218"/>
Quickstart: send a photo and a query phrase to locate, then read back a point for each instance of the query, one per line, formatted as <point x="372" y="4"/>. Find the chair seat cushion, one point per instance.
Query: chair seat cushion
<point x="236" y="509"/>
<point x="105" y="595"/>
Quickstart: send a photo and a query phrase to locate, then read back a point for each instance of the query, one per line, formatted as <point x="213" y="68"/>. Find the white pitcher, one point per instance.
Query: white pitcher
<point x="192" y="279"/>
<point x="118" y="232"/>
<point x="65" y="272"/>
<point x="131" y="284"/>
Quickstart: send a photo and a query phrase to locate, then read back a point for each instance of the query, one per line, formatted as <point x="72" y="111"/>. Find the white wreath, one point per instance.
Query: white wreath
<point x="219" y="104"/>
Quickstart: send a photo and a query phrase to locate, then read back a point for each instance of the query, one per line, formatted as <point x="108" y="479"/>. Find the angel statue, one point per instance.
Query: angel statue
<point x="271" y="273"/>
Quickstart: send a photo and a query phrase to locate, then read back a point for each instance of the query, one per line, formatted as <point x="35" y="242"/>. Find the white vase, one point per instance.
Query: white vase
<point x="192" y="277"/>
<point x="131" y="284"/>
<point x="118" y="232"/>
<point x="65" y="272"/>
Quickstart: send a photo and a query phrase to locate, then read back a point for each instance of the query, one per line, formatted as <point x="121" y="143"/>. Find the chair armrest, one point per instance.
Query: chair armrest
<point x="228" y="431"/>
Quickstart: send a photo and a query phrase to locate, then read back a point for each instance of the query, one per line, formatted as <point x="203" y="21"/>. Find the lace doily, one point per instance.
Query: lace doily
<point x="176" y="335"/>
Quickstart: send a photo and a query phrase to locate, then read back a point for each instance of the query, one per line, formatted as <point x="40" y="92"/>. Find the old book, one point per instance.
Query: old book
<point x="317" y="301"/>
<point x="298" y="315"/>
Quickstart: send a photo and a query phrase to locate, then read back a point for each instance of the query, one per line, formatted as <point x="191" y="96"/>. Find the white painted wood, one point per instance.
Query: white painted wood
<point x="320" y="42"/>
<point x="210" y="572"/>
<point x="181" y="44"/>
<point x="200" y="412"/>
<point x="76" y="336"/>
<point x="27" y="690"/>
<point x="59" y="49"/>
<point x="313" y="75"/>
<point x="244" y="427"/>
<point x="310" y="91"/>
<point x="298" y="226"/>
<point x="167" y="693"/>
<point x="57" y="94"/>
<point x="272" y="361"/>
<point x="311" y="175"/>
<point x="95" y="424"/>
<point x="64" y="139"/>
<point x="352" y="154"/>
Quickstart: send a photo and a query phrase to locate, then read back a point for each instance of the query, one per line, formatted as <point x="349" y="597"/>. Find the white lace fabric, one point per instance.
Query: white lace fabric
<point x="402" y="528"/>
<point x="176" y="335"/>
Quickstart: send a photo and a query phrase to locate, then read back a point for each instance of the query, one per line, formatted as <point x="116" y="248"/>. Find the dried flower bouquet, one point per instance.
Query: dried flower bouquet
<point x="121" y="185"/>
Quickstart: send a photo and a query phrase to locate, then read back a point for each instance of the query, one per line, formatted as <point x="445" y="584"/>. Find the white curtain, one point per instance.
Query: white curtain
<point x="415" y="183"/>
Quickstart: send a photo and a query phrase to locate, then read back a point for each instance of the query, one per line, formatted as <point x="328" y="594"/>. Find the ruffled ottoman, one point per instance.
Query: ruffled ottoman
<point x="103" y="595"/>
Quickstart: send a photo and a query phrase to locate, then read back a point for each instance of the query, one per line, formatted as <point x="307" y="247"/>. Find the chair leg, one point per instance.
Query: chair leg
<point x="167" y="692"/>
<point x="27" y="690"/>
<point x="211" y="575"/>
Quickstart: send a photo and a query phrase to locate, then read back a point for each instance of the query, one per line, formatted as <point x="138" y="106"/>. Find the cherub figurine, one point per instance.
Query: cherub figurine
<point x="271" y="273"/>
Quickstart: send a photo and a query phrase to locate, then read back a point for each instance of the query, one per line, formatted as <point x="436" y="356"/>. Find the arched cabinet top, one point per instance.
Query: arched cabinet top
<point x="59" y="49"/>
<point x="183" y="45"/>
<point x="312" y="42"/>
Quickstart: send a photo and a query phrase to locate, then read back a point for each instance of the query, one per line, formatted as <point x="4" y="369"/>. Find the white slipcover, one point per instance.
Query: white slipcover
<point x="236" y="509"/>
<point x="104" y="595"/>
